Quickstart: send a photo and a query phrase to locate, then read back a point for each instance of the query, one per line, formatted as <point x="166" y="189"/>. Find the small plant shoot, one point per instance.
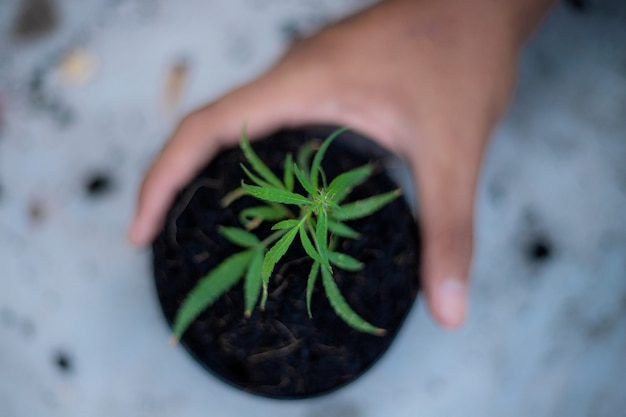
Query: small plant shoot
<point x="314" y="219"/>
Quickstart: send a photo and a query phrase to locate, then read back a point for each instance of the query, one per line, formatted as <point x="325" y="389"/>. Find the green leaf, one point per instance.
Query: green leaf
<point x="303" y="157"/>
<point x="288" y="172"/>
<point x="307" y="245"/>
<point x="257" y="164"/>
<point x="304" y="180"/>
<point x="286" y="224"/>
<point x="273" y="256"/>
<point x="264" y="213"/>
<point x="258" y="181"/>
<point x="365" y="207"/>
<point x="239" y="236"/>
<point x="211" y="287"/>
<point x="321" y="235"/>
<point x="342" y="230"/>
<point x="341" y="186"/>
<point x="344" y="261"/>
<point x="319" y="155"/>
<point x="344" y="310"/>
<point x="252" y="282"/>
<point x="275" y="195"/>
<point x="323" y="177"/>
<point x="310" y="285"/>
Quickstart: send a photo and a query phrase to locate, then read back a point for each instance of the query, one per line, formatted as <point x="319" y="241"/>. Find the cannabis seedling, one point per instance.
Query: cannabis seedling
<point x="317" y="217"/>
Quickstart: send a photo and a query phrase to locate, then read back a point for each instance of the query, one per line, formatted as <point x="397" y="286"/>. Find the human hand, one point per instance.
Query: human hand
<point x="427" y="79"/>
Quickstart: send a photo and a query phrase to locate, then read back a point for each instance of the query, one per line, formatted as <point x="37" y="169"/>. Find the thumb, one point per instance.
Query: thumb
<point x="198" y="138"/>
<point x="447" y="183"/>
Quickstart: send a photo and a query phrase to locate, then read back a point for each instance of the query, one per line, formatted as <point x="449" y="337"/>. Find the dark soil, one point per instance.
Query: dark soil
<point x="281" y="352"/>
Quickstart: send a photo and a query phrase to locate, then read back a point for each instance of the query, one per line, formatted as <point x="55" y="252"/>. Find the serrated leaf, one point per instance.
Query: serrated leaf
<point x="307" y="245"/>
<point x="286" y="224"/>
<point x="258" y="165"/>
<point x="365" y="207"/>
<point x="209" y="288"/>
<point x="288" y="172"/>
<point x="323" y="177"/>
<point x="273" y="256"/>
<point x="344" y="261"/>
<point x="310" y="285"/>
<point x="252" y="283"/>
<point x="343" y="309"/>
<point x="319" y="155"/>
<point x="239" y="236"/>
<point x="275" y="195"/>
<point x="342" y="230"/>
<point x="265" y="213"/>
<point x="341" y="186"/>
<point x="303" y="157"/>
<point x="304" y="180"/>
<point x="255" y="179"/>
<point x="321" y="235"/>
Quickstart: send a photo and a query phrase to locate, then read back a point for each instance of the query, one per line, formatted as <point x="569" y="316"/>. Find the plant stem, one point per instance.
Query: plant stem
<point x="273" y="237"/>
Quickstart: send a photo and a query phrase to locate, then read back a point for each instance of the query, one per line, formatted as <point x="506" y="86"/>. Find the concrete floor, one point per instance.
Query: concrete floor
<point x="83" y="113"/>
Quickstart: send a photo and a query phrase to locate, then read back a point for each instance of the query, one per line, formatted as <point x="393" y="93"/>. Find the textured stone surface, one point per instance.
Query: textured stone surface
<point x="81" y="333"/>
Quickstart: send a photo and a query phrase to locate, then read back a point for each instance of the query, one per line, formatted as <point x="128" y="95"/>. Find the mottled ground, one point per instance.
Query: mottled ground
<point x="88" y="93"/>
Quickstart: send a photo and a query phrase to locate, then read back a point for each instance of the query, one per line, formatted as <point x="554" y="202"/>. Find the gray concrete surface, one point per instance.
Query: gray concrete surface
<point x="81" y="333"/>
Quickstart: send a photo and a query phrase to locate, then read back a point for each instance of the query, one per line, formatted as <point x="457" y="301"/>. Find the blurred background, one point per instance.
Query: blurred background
<point x="90" y="90"/>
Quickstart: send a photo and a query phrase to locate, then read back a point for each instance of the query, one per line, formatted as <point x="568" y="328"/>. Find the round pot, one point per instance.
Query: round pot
<point x="281" y="352"/>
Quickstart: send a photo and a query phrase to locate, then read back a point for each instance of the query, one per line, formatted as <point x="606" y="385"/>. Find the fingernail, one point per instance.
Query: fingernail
<point x="452" y="295"/>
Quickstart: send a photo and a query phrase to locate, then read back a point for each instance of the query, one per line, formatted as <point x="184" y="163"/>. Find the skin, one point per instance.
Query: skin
<point x="428" y="79"/>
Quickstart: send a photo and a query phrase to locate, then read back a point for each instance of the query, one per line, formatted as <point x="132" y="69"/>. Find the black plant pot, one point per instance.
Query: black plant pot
<point x="280" y="352"/>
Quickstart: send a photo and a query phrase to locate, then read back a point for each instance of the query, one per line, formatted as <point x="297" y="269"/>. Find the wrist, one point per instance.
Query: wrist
<point x="514" y="21"/>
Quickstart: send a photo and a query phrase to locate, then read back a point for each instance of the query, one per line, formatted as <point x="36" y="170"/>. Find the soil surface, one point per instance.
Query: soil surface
<point x="281" y="352"/>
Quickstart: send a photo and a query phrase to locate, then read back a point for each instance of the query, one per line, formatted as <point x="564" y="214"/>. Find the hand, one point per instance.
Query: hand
<point x="427" y="79"/>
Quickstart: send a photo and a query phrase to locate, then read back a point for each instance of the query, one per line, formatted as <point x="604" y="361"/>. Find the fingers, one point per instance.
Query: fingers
<point x="447" y="183"/>
<point x="197" y="139"/>
<point x="447" y="257"/>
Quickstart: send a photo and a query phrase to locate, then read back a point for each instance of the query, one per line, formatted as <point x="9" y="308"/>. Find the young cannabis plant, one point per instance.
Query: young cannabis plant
<point x="316" y="218"/>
